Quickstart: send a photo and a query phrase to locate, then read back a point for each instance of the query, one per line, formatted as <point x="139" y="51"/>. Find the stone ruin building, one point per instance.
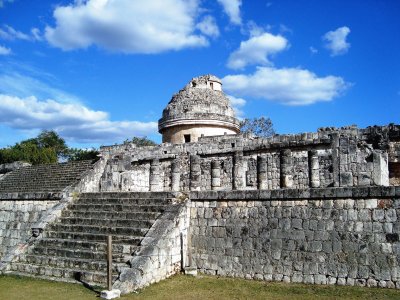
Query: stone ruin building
<point x="318" y="208"/>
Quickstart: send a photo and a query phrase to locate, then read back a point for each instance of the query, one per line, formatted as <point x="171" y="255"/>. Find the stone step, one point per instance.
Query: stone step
<point x="75" y="245"/>
<point x="125" y="201"/>
<point x="144" y="224"/>
<point x="111" y="215"/>
<point x="76" y="253"/>
<point x="85" y="245"/>
<point x="43" y="178"/>
<point x="93" y="229"/>
<point x="67" y="275"/>
<point x="67" y="262"/>
<point x="86" y="236"/>
<point x="116" y="207"/>
<point x="133" y="195"/>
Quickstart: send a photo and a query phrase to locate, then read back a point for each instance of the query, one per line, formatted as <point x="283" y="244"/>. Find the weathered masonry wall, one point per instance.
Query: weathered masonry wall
<point x="345" y="236"/>
<point x="331" y="157"/>
<point x="160" y="253"/>
<point x="17" y="215"/>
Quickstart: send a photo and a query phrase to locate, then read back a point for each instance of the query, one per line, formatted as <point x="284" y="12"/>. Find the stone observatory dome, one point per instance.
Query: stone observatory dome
<point x="200" y="108"/>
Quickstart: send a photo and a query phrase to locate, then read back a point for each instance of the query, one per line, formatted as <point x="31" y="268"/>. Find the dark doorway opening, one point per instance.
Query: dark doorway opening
<point x="187" y="138"/>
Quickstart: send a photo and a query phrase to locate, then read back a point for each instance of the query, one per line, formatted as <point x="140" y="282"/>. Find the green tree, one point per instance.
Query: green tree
<point x="47" y="147"/>
<point x="50" y="139"/>
<point x="28" y="151"/>
<point x="142" y="141"/>
<point x="75" y="154"/>
<point x="261" y="127"/>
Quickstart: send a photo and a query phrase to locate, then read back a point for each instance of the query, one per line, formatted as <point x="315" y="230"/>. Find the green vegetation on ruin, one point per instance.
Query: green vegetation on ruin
<point x="187" y="287"/>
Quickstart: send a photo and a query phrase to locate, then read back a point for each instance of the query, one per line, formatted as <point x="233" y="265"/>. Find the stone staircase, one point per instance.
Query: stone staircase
<point x="44" y="178"/>
<point x="74" y="247"/>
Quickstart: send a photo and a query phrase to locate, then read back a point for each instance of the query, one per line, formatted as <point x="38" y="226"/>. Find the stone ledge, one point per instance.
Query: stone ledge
<point x="31" y="196"/>
<point x="291" y="194"/>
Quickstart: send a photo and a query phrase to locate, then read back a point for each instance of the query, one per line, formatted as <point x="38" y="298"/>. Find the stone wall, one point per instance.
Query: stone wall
<point x="17" y="217"/>
<point x="176" y="135"/>
<point x="331" y="157"/>
<point x="345" y="236"/>
<point x="89" y="180"/>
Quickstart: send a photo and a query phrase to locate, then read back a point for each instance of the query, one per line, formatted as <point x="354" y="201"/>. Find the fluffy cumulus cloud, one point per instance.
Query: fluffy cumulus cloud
<point x="5" y="50"/>
<point x="237" y="104"/>
<point x="73" y="121"/>
<point x="232" y="9"/>
<point x="208" y="26"/>
<point x="291" y="86"/>
<point x="256" y="50"/>
<point x="128" y="26"/>
<point x="335" y="41"/>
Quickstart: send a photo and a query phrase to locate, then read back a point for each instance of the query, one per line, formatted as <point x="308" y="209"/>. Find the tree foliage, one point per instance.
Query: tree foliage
<point x="28" y="151"/>
<point x="75" y="154"/>
<point x="50" y="139"/>
<point x="142" y="141"/>
<point x="261" y="127"/>
<point x="47" y="147"/>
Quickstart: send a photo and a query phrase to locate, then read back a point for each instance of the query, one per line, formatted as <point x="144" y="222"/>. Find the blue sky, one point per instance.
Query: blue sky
<point x="101" y="71"/>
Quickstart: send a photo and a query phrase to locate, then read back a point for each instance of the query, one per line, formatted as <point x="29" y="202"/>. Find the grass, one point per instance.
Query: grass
<point x="187" y="287"/>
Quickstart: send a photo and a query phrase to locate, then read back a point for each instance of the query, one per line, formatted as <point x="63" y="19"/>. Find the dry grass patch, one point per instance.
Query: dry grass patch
<point x="187" y="287"/>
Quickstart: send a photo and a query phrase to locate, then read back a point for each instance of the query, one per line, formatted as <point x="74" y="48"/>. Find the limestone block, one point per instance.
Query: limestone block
<point x="381" y="168"/>
<point x="346" y="179"/>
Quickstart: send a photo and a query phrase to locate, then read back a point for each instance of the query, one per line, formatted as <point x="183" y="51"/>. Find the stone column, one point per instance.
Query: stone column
<point x="262" y="169"/>
<point x="195" y="173"/>
<point x="175" y="175"/>
<point x="156" y="182"/>
<point x="215" y="175"/>
<point x="238" y="171"/>
<point x="335" y="158"/>
<point x="286" y="169"/>
<point x="347" y="156"/>
<point x="313" y="167"/>
<point x="381" y="168"/>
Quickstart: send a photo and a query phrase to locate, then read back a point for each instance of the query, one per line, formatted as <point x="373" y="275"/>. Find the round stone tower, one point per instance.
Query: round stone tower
<point x="200" y="108"/>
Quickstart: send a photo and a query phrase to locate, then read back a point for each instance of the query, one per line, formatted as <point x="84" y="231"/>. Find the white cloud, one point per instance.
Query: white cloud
<point x="232" y="9"/>
<point x="336" y="42"/>
<point x="14" y="83"/>
<point x="73" y="121"/>
<point x="208" y="26"/>
<point x="237" y="104"/>
<point x="36" y="34"/>
<point x="313" y="50"/>
<point x="9" y="33"/>
<point x="290" y="86"/>
<point x="257" y="50"/>
<point x="5" y="50"/>
<point x="128" y="26"/>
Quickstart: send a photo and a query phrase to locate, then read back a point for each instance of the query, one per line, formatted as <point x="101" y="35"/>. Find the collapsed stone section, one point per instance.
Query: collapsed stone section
<point x="332" y="157"/>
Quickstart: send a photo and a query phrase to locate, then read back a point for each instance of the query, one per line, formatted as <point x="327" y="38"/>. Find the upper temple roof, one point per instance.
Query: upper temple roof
<point x="202" y="99"/>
